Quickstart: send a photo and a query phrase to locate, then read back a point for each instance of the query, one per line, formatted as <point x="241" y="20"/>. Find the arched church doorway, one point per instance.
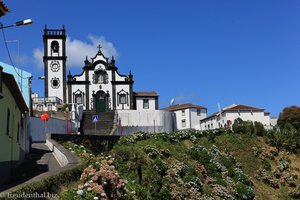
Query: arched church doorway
<point x="101" y="100"/>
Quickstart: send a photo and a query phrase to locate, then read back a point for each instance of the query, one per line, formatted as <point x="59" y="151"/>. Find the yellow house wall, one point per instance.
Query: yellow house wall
<point x="9" y="147"/>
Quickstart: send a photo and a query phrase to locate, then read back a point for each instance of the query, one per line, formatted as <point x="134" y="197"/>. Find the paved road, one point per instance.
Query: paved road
<point x="44" y="157"/>
<point x="40" y="160"/>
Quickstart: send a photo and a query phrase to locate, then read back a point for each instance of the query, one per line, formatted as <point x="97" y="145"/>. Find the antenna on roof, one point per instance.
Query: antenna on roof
<point x="172" y="102"/>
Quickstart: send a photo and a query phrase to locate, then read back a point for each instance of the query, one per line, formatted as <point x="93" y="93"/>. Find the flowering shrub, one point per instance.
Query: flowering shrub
<point x="103" y="180"/>
<point x="152" y="152"/>
<point x="295" y="193"/>
<point x="99" y="180"/>
<point x="224" y="174"/>
<point x="171" y="137"/>
<point x="181" y="185"/>
<point x="281" y="174"/>
<point x="83" y="153"/>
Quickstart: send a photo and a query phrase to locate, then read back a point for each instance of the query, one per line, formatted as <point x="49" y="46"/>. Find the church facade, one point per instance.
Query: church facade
<point x="99" y="87"/>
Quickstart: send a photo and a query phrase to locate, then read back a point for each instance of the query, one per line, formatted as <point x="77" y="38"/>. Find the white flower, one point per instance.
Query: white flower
<point x="80" y="192"/>
<point x="103" y="194"/>
<point x="96" y="198"/>
<point x="86" y="185"/>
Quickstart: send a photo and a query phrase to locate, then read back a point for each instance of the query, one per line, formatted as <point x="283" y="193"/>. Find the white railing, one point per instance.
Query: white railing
<point x="47" y="100"/>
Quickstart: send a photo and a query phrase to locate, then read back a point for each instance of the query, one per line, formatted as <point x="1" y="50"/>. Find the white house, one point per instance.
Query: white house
<point x="226" y="117"/>
<point x="45" y="103"/>
<point x="187" y="116"/>
<point x="145" y="100"/>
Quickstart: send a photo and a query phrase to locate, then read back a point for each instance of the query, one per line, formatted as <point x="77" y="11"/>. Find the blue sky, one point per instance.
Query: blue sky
<point x="201" y="52"/>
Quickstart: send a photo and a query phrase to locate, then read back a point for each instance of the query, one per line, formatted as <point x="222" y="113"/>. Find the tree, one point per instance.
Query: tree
<point x="290" y="115"/>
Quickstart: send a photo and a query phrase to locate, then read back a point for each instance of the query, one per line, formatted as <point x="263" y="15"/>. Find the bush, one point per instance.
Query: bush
<point x="244" y="192"/>
<point x="52" y="183"/>
<point x="164" y="194"/>
<point x="287" y="138"/>
<point x="259" y="129"/>
<point x="240" y="126"/>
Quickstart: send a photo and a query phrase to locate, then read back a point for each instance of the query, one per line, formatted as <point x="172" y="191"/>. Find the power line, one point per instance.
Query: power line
<point x="8" y="52"/>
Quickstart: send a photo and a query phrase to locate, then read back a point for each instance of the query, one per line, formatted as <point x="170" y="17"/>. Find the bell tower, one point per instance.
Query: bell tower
<point x="55" y="62"/>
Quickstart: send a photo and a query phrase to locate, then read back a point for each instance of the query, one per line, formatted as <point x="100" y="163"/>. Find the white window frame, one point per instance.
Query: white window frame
<point x="145" y="103"/>
<point x="183" y="123"/>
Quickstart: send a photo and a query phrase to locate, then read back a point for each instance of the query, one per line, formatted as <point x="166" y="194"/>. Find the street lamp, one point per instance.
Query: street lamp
<point x="19" y="23"/>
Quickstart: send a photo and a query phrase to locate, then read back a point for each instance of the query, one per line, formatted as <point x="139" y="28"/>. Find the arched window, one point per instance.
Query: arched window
<point x="100" y="76"/>
<point x="55" y="47"/>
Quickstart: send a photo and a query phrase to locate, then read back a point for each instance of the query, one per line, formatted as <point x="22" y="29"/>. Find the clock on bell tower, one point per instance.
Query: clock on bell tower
<point x="55" y="62"/>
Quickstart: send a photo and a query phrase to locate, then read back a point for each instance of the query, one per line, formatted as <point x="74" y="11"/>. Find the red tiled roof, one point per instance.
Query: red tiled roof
<point x="243" y="107"/>
<point x="3" y="8"/>
<point x="239" y="107"/>
<point x="145" y="94"/>
<point x="11" y="84"/>
<point x="182" y="106"/>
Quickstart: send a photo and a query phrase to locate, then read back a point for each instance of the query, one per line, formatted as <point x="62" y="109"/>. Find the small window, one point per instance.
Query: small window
<point x="183" y="112"/>
<point x="55" y="83"/>
<point x="78" y="98"/>
<point x="146" y="103"/>
<point x="49" y="107"/>
<point x="183" y="123"/>
<point x="40" y="107"/>
<point x="198" y="112"/>
<point x="122" y="98"/>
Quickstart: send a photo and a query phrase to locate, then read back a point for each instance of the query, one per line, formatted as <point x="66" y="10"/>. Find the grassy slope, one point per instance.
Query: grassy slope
<point x="239" y="145"/>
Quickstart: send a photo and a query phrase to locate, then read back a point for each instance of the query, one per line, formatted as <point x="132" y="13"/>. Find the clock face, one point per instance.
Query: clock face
<point x="55" y="66"/>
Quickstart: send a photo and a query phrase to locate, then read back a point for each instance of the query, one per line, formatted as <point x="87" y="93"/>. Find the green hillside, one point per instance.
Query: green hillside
<point x="188" y="165"/>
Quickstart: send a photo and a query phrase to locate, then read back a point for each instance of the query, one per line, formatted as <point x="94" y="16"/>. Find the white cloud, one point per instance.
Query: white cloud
<point x="38" y="57"/>
<point x="77" y="50"/>
<point x="187" y="98"/>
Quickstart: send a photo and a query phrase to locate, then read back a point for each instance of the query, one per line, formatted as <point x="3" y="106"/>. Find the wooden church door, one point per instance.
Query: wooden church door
<point x="100" y="102"/>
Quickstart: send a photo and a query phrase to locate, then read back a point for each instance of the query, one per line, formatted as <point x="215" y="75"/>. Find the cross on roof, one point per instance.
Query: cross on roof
<point x="99" y="47"/>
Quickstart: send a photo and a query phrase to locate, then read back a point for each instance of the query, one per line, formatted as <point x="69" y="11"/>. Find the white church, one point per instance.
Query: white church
<point x="99" y="87"/>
